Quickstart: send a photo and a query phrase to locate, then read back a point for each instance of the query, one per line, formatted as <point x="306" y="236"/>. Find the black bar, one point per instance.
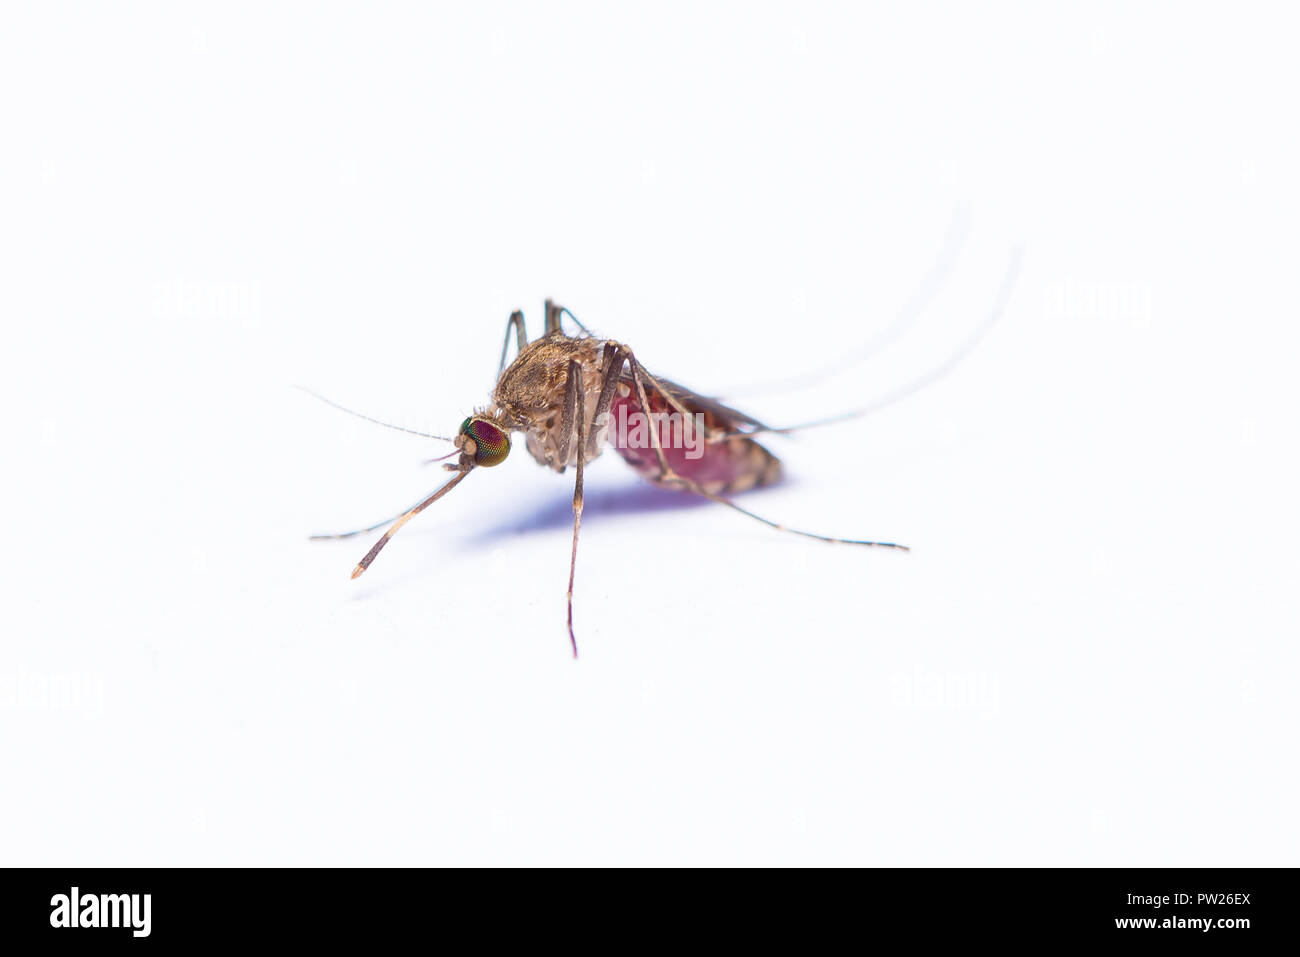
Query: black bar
<point x="382" y="908"/>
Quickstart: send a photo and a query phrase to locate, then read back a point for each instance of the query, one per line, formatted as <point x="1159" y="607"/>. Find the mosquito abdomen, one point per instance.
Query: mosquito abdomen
<point x="730" y="465"/>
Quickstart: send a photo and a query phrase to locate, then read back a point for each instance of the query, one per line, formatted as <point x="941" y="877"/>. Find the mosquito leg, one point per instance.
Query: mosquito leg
<point x="515" y="322"/>
<point x="552" y="317"/>
<point x="576" y="321"/>
<point x="614" y="361"/>
<point x="669" y="477"/>
<point x="555" y="313"/>
<point x="406" y="517"/>
<point x="666" y="474"/>
<point x="572" y="396"/>
<point x="710" y="434"/>
<point x="356" y="531"/>
<point x="575" y="388"/>
<point x="849" y="356"/>
<point x="963" y="349"/>
<point x="723" y="500"/>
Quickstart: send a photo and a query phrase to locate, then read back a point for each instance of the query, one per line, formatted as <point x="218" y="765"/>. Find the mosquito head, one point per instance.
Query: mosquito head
<point x="483" y="440"/>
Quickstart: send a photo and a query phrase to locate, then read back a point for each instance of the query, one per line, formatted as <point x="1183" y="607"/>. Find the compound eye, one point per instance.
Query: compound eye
<point x="484" y="442"/>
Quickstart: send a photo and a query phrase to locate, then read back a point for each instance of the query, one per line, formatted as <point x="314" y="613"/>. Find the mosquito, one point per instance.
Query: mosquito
<point x="566" y="394"/>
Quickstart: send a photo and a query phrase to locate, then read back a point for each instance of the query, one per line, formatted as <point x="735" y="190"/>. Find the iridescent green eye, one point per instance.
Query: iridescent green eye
<point x="491" y="445"/>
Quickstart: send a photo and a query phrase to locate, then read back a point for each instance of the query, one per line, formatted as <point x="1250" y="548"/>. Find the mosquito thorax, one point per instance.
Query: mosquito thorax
<point x="483" y="441"/>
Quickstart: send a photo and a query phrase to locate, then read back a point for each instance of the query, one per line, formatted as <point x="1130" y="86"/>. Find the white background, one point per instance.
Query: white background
<point x="1090" y="656"/>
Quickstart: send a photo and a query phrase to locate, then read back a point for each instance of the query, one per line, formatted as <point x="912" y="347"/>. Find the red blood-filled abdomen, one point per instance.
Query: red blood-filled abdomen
<point x="730" y="465"/>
